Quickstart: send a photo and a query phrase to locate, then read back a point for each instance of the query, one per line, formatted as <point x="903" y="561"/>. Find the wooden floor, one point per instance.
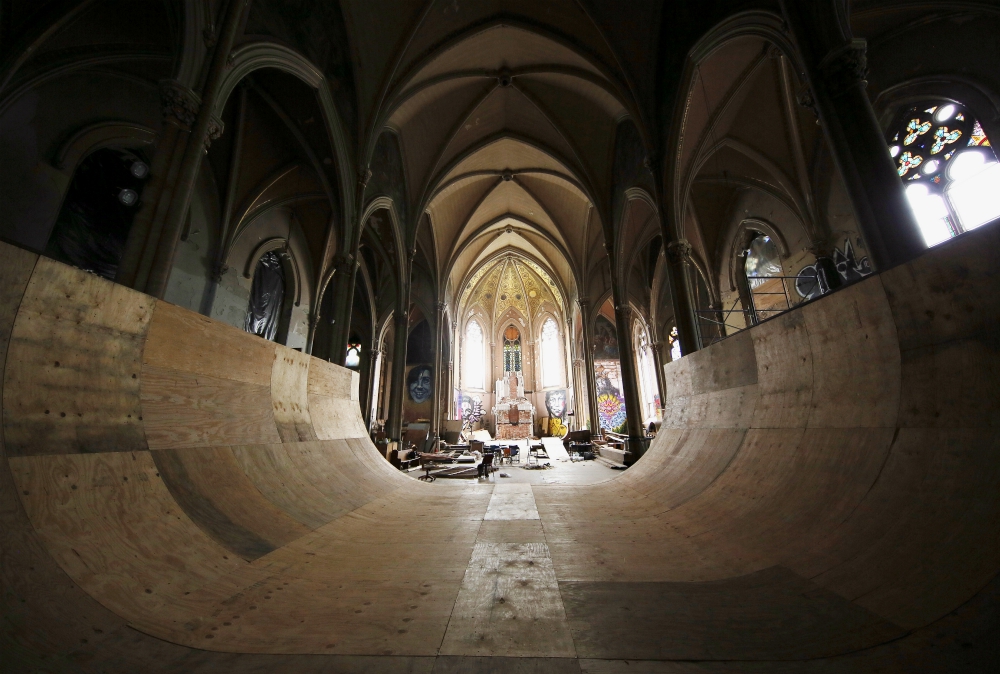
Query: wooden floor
<point x="177" y="495"/>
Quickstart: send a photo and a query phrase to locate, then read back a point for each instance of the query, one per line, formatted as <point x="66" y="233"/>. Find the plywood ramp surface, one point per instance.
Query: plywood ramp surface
<point x="176" y="494"/>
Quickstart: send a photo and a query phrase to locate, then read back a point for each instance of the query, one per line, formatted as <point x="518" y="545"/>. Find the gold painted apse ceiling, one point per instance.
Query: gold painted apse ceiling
<point x="512" y="282"/>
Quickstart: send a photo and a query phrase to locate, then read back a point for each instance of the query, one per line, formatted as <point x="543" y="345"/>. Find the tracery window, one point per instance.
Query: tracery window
<point x="675" y="344"/>
<point x="766" y="285"/>
<point x="647" y="373"/>
<point x="353" y="358"/>
<point x="551" y="362"/>
<point x="511" y="351"/>
<point x="950" y="171"/>
<point x="474" y="359"/>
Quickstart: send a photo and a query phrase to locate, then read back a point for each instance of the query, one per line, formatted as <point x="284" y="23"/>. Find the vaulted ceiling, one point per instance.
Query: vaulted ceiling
<point x="506" y="137"/>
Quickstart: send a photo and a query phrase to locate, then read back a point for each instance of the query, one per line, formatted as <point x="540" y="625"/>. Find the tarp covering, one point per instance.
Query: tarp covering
<point x="267" y="295"/>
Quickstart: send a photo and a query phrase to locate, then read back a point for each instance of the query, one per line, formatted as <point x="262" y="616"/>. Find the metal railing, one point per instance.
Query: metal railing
<point x="716" y="324"/>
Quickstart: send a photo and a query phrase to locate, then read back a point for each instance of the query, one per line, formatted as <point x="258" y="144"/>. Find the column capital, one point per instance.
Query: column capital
<point x="179" y="104"/>
<point x="442" y="307"/>
<point x="215" y="129"/>
<point x="584" y="302"/>
<point x="679" y="251"/>
<point x="845" y="66"/>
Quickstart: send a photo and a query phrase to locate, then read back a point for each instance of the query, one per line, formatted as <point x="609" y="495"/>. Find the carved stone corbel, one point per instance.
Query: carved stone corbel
<point x="679" y="251"/>
<point x="179" y="104"/>
<point x="845" y="67"/>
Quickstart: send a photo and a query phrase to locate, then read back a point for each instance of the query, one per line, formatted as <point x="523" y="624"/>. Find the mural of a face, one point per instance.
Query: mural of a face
<point x="555" y="403"/>
<point x="420" y="384"/>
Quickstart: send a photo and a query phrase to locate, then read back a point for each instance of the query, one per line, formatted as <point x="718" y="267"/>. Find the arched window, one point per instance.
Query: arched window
<point x="649" y="389"/>
<point x="551" y="361"/>
<point x="950" y="171"/>
<point x="474" y="358"/>
<point x="267" y="295"/>
<point x="675" y="344"/>
<point x="511" y="350"/>
<point x="766" y="287"/>
<point x="96" y="217"/>
<point x="353" y="358"/>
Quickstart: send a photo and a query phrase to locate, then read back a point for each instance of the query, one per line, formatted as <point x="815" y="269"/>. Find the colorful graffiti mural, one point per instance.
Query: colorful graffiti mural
<point x="610" y="401"/>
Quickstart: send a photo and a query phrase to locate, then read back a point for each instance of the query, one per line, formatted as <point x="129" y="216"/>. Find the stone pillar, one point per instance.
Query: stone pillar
<point x="580" y="412"/>
<point x="454" y="370"/>
<point x="180" y="107"/>
<point x="343" y="281"/>
<point x="394" y="418"/>
<point x="685" y="315"/>
<point x="630" y="380"/>
<point x="438" y="364"/>
<point x="588" y="351"/>
<point x="205" y="127"/>
<point x="836" y="66"/>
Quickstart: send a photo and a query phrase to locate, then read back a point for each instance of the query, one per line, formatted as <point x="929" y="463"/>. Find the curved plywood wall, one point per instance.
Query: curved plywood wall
<point x="178" y="494"/>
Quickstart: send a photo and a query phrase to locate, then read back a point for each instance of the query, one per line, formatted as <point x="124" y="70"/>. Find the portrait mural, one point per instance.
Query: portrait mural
<point x="418" y="402"/>
<point x="471" y="410"/>
<point x="420" y="383"/>
<point x="555" y="404"/>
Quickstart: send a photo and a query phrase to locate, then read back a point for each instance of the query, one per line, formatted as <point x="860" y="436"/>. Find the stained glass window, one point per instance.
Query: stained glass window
<point x="353" y="355"/>
<point x="474" y="357"/>
<point x="511" y="351"/>
<point x="551" y="362"/>
<point x="675" y="344"/>
<point x="951" y="174"/>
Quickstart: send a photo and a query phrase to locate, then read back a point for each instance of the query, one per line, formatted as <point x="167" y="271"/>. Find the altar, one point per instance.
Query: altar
<point x="514" y="414"/>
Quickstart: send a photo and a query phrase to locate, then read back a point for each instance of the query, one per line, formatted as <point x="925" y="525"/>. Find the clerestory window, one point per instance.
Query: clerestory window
<point x="949" y="169"/>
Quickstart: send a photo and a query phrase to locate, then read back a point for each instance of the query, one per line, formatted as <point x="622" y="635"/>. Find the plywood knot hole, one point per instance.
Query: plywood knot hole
<point x="133" y="376"/>
<point x="209" y="636"/>
<point x="502" y="600"/>
<point x="253" y="608"/>
<point x="331" y="645"/>
<point x="226" y="624"/>
<point x="46" y="411"/>
<point x="57" y="363"/>
<point x="62" y="414"/>
<point x="148" y="591"/>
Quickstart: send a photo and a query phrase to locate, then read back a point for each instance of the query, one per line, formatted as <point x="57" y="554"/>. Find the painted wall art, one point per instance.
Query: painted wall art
<point x="812" y="282"/>
<point x="610" y="401"/>
<point x="555" y="404"/>
<point x="605" y="339"/>
<point x="471" y="410"/>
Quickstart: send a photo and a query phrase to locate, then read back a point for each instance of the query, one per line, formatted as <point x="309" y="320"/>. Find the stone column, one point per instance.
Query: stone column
<point x="180" y="107"/>
<point x="685" y="315"/>
<point x="438" y="364"/>
<point x="578" y="394"/>
<point x="346" y="267"/>
<point x="630" y="380"/>
<point x="588" y="351"/>
<point x="163" y="235"/>
<point x="454" y="370"/>
<point x="394" y="418"/>
<point x="836" y="66"/>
